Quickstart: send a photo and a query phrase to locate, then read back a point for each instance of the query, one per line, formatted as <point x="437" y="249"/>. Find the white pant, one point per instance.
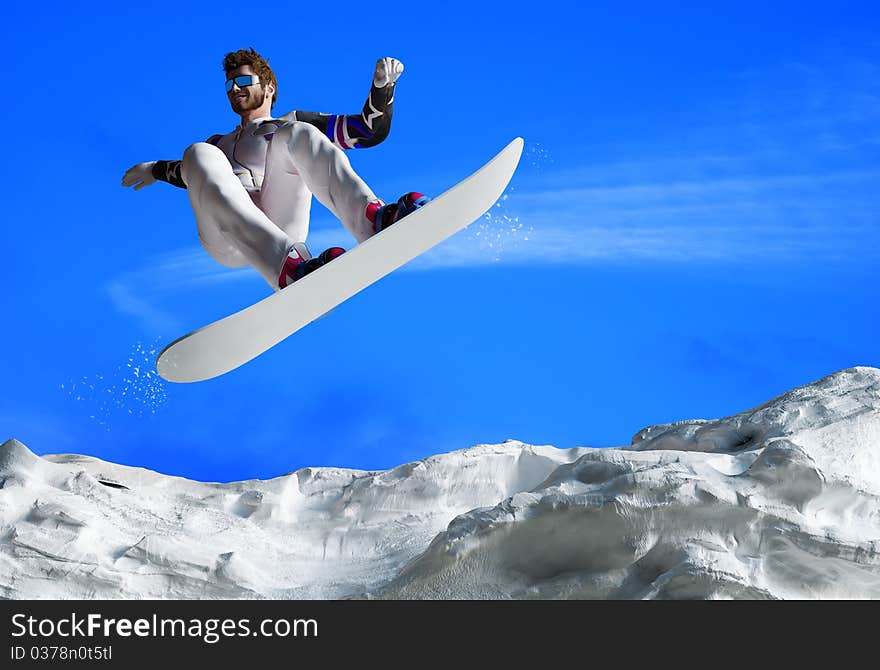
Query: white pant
<point x="239" y="229"/>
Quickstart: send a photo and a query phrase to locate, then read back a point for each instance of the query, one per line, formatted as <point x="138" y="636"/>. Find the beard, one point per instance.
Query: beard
<point x="253" y="100"/>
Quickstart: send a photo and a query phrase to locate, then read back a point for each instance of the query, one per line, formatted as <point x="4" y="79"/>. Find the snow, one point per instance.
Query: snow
<point x="780" y="501"/>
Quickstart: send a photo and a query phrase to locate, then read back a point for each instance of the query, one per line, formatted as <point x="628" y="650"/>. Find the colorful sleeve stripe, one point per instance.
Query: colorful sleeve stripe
<point x="357" y="125"/>
<point x="341" y="135"/>
<point x="331" y="126"/>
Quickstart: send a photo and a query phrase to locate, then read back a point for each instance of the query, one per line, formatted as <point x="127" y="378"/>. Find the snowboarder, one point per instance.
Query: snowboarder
<point x="251" y="189"/>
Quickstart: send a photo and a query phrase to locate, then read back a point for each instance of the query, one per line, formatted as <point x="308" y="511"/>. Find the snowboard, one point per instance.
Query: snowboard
<point x="234" y="340"/>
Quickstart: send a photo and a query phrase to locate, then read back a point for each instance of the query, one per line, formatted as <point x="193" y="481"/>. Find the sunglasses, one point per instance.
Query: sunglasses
<point x="242" y="81"/>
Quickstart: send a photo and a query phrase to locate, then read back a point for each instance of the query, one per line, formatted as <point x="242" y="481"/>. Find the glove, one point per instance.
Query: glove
<point x="139" y="175"/>
<point x="387" y="72"/>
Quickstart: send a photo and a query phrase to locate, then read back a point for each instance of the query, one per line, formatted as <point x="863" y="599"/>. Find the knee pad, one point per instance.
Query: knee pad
<point x="201" y="158"/>
<point x="201" y="152"/>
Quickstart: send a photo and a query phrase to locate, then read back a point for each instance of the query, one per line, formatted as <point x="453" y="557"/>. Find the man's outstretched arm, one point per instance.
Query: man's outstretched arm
<point x="144" y="174"/>
<point x="371" y="126"/>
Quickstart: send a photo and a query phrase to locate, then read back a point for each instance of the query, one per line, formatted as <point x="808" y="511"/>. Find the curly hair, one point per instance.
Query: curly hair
<point x="260" y="65"/>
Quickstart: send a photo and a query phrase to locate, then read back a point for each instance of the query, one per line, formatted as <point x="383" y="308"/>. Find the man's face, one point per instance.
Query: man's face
<point x="246" y="98"/>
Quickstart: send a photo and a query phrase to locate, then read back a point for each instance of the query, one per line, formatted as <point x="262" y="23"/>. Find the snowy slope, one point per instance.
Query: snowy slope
<point x="782" y="501"/>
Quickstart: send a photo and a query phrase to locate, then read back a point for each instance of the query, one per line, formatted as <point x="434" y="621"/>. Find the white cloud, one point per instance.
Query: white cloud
<point x="140" y="292"/>
<point x="128" y="300"/>
<point x="829" y="216"/>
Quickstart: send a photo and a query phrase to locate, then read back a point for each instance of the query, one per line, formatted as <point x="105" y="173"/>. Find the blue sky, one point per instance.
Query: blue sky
<point x="692" y="230"/>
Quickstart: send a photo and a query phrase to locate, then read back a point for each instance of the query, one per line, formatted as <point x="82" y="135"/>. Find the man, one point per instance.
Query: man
<point x="251" y="189"/>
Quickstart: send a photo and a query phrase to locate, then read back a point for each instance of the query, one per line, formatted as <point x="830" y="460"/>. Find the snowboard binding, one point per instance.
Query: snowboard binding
<point x="382" y="216"/>
<point x="299" y="262"/>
